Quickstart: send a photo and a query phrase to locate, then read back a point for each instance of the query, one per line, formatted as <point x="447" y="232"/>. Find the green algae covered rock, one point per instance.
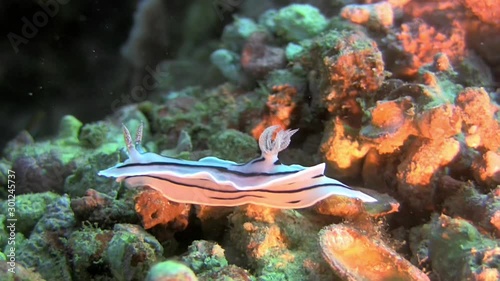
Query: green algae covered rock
<point x="299" y="21"/>
<point x="87" y="247"/>
<point x="236" y="33"/>
<point x="233" y="145"/>
<point x="94" y="135"/>
<point x="4" y="235"/>
<point x="228" y="63"/>
<point x="170" y="271"/>
<point x="205" y="256"/>
<point x="278" y="243"/>
<point x="267" y="18"/>
<point x="295" y="77"/>
<point x="458" y="251"/>
<point x="85" y="176"/>
<point x="131" y="252"/>
<point x="69" y="145"/>
<point x="30" y="208"/>
<point x="45" y="249"/>
<point x="21" y="273"/>
<point x="69" y="128"/>
<point x="203" y="114"/>
<point x="294" y="51"/>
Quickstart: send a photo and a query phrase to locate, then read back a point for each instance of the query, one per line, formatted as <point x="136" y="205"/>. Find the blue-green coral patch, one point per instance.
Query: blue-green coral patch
<point x="233" y="145"/>
<point x="297" y="22"/>
<point x="30" y="208"/>
<point x="131" y="252"/>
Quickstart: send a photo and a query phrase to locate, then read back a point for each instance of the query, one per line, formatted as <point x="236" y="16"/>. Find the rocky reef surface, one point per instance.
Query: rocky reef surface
<point x="397" y="97"/>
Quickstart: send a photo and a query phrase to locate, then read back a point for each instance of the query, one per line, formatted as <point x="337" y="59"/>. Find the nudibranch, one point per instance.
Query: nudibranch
<point x="216" y="182"/>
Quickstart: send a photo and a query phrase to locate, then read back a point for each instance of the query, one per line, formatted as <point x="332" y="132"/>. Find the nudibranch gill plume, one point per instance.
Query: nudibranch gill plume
<point x="216" y="182"/>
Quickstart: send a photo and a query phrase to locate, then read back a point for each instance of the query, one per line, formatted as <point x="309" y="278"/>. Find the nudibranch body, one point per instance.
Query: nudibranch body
<point x="216" y="182"/>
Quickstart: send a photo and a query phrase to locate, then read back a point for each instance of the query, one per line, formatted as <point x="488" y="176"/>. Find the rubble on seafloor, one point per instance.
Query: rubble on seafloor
<point x="384" y="92"/>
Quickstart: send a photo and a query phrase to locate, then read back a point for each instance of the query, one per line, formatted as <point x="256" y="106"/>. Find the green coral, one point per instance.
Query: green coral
<point x="85" y="176"/>
<point x="44" y="250"/>
<point x="131" y="252"/>
<point x="69" y="128"/>
<point x="236" y="33"/>
<point x="455" y="248"/>
<point x="228" y="63"/>
<point x="205" y="256"/>
<point x="170" y="270"/>
<point x="4" y="235"/>
<point x="87" y="249"/>
<point x="266" y="20"/>
<point x="443" y="92"/>
<point x="295" y="77"/>
<point x="67" y="145"/>
<point x="30" y="208"/>
<point x="272" y="260"/>
<point x="233" y="145"/>
<point x="19" y="240"/>
<point x="209" y="113"/>
<point x="294" y="51"/>
<point x="93" y="135"/>
<point x="297" y="22"/>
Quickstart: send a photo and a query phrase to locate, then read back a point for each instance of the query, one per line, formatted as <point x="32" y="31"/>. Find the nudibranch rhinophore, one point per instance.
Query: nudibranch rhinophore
<point x="216" y="182"/>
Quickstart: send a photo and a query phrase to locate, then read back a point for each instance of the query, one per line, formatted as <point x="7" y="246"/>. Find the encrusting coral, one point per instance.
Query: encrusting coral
<point x="377" y="16"/>
<point x="477" y="111"/>
<point x="415" y="44"/>
<point x="170" y="271"/>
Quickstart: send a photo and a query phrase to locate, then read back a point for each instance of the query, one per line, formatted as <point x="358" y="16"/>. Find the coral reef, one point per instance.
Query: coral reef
<point x="281" y="104"/>
<point x="343" y="153"/>
<point x="487" y="169"/>
<point x="397" y="97"/>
